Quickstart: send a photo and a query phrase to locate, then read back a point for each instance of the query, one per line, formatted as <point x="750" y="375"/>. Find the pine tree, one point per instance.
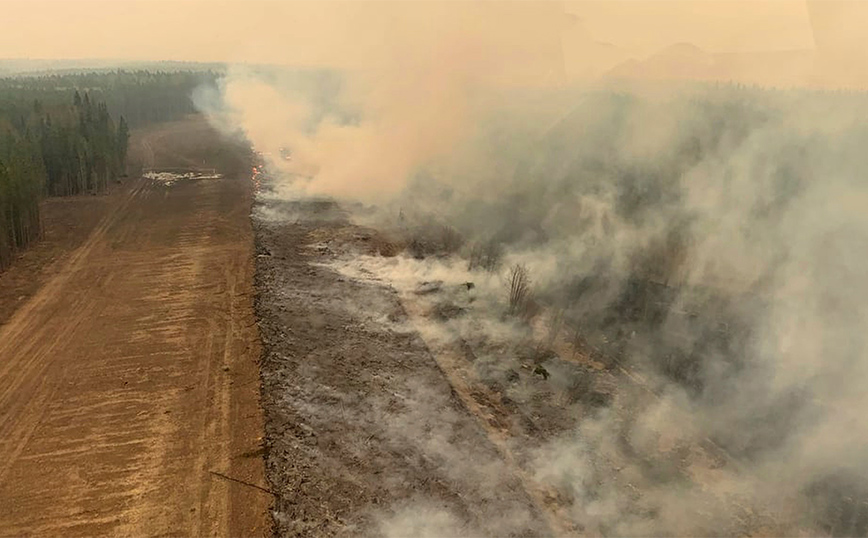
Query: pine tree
<point x="123" y="140"/>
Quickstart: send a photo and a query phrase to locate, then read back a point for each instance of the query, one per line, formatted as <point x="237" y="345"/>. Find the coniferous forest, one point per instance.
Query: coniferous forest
<point x="62" y="135"/>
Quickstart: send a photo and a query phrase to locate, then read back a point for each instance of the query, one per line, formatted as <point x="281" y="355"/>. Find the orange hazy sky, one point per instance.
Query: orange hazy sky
<point x="258" y="30"/>
<point x="593" y="36"/>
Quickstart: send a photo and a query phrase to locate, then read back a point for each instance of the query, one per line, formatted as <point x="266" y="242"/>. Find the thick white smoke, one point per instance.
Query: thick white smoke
<point x="740" y="216"/>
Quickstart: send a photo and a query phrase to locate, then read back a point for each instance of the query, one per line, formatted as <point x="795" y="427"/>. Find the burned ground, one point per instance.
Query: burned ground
<point x="382" y="399"/>
<point x="360" y="421"/>
<point x="400" y="402"/>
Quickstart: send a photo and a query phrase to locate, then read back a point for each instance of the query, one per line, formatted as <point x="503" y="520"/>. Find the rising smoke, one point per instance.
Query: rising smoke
<point x="713" y="237"/>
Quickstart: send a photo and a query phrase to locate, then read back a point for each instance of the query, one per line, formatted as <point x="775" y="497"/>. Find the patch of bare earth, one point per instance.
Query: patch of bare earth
<point x="67" y="223"/>
<point x="128" y="371"/>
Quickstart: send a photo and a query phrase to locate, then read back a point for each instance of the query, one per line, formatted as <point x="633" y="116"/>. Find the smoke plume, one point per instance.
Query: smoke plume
<point x="711" y="236"/>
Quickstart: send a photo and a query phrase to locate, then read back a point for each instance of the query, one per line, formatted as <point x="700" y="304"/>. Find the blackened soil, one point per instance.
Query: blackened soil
<point x="364" y="435"/>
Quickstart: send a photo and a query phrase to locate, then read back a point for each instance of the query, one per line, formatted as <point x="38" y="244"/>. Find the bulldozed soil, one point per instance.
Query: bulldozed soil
<point x="129" y="401"/>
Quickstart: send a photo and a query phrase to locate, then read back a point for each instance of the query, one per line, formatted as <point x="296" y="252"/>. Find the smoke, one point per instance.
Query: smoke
<point x="720" y="249"/>
<point x="362" y="133"/>
<point x="711" y="238"/>
<point x="744" y="228"/>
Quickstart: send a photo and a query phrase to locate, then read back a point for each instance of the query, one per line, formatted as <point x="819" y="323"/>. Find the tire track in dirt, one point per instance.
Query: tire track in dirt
<point x="125" y="380"/>
<point x="22" y="375"/>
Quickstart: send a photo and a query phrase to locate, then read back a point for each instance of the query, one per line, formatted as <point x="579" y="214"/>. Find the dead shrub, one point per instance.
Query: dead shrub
<point x="386" y="248"/>
<point x="433" y="240"/>
<point x="486" y="255"/>
<point x="450" y="239"/>
<point x="579" y="388"/>
<point x="520" y="302"/>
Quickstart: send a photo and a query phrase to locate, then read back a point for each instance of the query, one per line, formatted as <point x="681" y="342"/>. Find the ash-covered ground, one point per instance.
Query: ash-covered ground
<point x="365" y="435"/>
<point x="396" y="404"/>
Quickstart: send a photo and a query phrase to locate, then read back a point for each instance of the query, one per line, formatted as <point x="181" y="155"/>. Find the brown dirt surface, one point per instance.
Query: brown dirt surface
<point x="189" y="143"/>
<point x="67" y="223"/>
<point x="129" y="401"/>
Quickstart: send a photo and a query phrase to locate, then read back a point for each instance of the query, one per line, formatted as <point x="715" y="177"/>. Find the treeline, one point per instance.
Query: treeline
<point x="52" y="149"/>
<point x="141" y="97"/>
<point x="66" y="134"/>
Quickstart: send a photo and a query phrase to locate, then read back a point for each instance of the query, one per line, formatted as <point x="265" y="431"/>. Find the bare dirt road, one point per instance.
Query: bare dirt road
<point x="129" y="380"/>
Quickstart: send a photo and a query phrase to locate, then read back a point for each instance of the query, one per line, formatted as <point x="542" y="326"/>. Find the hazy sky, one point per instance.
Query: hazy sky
<point x="239" y="29"/>
<point x="643" y="27"/>
<point x="595" y="36"/>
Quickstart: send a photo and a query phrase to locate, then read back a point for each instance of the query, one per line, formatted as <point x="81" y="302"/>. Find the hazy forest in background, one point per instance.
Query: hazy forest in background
<point x="67" y="134"/>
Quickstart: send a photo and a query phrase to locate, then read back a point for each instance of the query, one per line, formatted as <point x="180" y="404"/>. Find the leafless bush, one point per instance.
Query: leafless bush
<point x="434" y="240"/>
<point x="555" y="325"/>
<point x="578" y="341"/>
<point x="519" y="290"/>
<point x="450" y="239"/>
<point x="579" y="387"/>
<point x="486" y="255"/>
<point x="544" y="349"/>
